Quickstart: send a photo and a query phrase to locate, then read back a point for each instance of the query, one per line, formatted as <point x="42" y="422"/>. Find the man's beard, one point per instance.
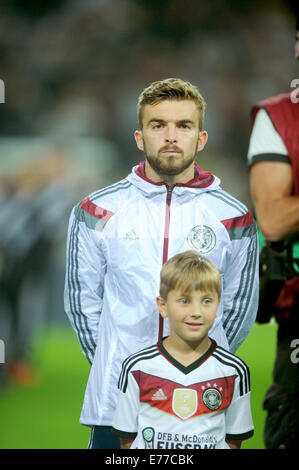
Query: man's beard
<point x="169" y="165"/>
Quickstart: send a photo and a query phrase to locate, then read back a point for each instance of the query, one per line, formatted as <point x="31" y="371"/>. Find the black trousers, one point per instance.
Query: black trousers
<point x="102" y="437"/>
<point x="282" y="398"/>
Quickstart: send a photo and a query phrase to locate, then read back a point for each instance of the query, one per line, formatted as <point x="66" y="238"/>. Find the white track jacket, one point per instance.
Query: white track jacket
<point x="119" y="238"/>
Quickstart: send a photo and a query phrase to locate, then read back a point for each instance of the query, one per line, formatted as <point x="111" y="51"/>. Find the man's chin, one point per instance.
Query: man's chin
<point x="170" y="166"/>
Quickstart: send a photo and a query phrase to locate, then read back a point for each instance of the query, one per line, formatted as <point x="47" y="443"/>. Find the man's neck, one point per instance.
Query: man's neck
<point x="171" y="180"/>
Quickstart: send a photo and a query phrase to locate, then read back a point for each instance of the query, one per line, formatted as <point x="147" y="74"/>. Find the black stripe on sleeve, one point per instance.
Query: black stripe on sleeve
<point x="240" y="437"/>
<point x="269" y="157"/>
<point x="118" y="433"/>
<point x="225" y="357"/>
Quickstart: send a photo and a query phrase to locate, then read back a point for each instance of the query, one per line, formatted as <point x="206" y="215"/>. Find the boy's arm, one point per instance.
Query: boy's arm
<point x="124" y="423"/>
<point x="238" y="418"/>
<point x="234" y="444"/>
<point x="125" y="442"/>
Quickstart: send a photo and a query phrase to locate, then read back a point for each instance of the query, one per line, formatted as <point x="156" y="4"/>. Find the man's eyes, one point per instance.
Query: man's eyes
<point x="157" y="126"/>
<point x="179" y="126"/>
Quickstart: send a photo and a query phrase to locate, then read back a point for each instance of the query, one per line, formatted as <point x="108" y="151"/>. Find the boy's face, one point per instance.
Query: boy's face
<point x="190" y="316"/>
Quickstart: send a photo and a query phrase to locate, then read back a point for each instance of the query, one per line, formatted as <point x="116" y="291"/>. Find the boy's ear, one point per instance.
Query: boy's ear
<point x="162" y="306"/>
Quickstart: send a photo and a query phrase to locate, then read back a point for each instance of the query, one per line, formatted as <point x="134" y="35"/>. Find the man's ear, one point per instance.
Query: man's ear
<point x="139" y="139"/>
<point x="162" y="306"/>
<point x="202" y="140"/>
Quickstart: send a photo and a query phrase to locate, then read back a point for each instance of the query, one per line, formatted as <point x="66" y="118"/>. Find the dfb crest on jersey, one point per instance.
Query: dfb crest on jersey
<point x="212" y="398"/>
<point x="184" y="402"/>
<point x="202" y="238"/>
<point x="148" y="436"/>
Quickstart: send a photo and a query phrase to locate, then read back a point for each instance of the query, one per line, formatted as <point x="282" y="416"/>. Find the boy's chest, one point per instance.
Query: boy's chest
<point x="185" y="396"/>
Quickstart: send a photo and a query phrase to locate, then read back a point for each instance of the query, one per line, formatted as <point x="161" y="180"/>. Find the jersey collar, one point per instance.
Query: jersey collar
<point x="191" y="367"/>
<point x="202" y="178"/>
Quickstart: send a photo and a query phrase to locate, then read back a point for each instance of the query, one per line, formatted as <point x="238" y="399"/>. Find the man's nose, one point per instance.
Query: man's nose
<point x="171" y="134"/>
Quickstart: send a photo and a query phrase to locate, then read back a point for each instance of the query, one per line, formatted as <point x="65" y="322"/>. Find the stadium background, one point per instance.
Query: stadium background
<point x="72" y="72"/>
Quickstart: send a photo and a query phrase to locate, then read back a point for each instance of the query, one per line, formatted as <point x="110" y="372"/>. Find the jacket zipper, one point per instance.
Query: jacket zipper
<point x="165" y="246"/>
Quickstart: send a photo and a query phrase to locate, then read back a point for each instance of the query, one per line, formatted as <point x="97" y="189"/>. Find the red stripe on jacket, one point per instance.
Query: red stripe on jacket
<point x="96" y="211"/>
<point x="242" y="221"/>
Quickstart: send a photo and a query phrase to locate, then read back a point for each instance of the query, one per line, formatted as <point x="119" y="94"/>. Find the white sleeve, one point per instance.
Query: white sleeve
<point x="125" y="419"/>
<point x="265" y="143"/>
<point x="241" y="283"/>
<point x="238" y="417"/>
<point x="85" y="270"/>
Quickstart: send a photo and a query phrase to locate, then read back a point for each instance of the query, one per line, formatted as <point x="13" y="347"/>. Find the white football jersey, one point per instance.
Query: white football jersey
<point x="165" y="405"/>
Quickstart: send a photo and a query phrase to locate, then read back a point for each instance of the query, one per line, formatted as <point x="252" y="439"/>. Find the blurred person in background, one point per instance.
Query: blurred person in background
<point x="120" y="236"/>
<point x="273" y="158"/>
<point x="20" y="240"/>
<point x="33" y="207"/>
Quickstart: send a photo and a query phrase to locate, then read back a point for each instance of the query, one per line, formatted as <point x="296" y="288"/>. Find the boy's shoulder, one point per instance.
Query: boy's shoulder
<point x="229" y="360"/>
<point x="145" y="353"/>
<point x="135" y="360"/>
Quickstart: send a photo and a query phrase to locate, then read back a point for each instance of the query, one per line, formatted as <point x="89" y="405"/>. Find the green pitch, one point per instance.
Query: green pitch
<point x="258" y="351"/>
<point x="46" y="415"/>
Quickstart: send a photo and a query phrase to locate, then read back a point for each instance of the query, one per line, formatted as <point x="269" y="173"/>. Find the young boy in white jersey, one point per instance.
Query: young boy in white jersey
<point x="185" y="392"/>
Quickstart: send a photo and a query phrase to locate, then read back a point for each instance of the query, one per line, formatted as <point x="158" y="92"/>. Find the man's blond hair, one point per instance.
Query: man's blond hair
<point x="170" y="89"/>
<point x="189" y="271"/>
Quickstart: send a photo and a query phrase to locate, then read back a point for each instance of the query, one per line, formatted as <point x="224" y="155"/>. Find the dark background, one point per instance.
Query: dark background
<point x="73" y="71"/>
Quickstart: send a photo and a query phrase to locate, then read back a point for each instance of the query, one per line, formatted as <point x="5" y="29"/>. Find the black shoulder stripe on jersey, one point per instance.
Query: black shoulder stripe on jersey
<point x="229" y="363"/>
<point x="125" y="378"/>
<point x="242" y="364"/>
<point x="132" y="357"/>
<point x="138" y="353"/>
<point x="238" y="364"/>
<point x="131" y="360"/>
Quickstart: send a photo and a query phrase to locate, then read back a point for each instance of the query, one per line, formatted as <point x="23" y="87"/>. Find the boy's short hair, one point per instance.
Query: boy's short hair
<point x="171" y="89"/>
<point x="189" y="271"/>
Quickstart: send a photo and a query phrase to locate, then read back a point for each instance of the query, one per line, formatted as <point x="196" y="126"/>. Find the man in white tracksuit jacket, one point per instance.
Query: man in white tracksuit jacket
<point x="120" y="236"/>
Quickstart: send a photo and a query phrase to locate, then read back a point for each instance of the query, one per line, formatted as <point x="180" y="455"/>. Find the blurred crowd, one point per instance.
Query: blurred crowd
<point x="36" y="198"/>
<point x="73" y="71"/>
<point x="33" y="207"/>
